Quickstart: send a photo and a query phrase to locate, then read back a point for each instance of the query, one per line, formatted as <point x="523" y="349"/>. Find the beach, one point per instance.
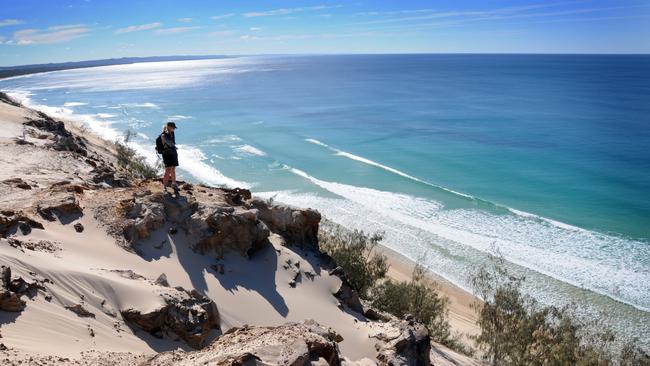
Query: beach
<point x="90" y="272"/>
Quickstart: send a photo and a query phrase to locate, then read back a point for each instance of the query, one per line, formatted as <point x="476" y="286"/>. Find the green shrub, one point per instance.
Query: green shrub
<point x="516" y="330"/>
<point x="420" y="298"/>
<point x="354" y="252"/>
<point x="135" y="165"/>
<point x="365" y="269"/>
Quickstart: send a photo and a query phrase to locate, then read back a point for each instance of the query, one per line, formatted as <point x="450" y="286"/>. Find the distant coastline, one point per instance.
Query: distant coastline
<point x="10" y="71"/>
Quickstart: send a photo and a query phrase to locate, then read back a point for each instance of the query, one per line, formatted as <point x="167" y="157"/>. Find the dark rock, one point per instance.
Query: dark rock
<point x="80" y="311"/>
<point x="188" y="315"/>
<point x="24" y="228"/>
<point x="10" y="219"/>
<point x="6" y="99"/>
<point x="59" y="205"/>
<point x="78" y="227"/>
<point x="162" y="280"/>
<point x="408" y="345"/>
<point x="13" y="289"/>
<point x="21" y="141"/>
<point x="64" y="140"/>
<point x="346" y="294"/>
<point x="236" y="196"/>
<point x="18" y="183"/>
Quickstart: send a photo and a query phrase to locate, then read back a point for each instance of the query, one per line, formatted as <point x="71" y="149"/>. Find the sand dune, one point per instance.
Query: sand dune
<point x="95" y="264"/>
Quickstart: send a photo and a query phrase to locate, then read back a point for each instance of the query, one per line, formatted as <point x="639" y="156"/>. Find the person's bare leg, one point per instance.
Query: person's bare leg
<point x="173" y="179"/>
<point x="166" y="178"/>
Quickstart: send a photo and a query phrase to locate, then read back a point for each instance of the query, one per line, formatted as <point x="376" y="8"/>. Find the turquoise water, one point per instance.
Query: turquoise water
<point x="544" y="159"/>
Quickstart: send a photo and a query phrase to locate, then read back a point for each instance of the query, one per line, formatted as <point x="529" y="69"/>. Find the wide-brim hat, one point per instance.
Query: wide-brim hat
<point x="171" y="124"/>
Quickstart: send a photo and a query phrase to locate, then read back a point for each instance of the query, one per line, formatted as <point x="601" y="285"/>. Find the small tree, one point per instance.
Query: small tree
<point x="420" y="298"/>
<point x="516" y="330"/>
<point x="355" y="252"/>
<point x="135" y="165"/>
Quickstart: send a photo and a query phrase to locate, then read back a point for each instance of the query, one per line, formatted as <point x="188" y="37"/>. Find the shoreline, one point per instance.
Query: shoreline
<point x="462" y="317"/>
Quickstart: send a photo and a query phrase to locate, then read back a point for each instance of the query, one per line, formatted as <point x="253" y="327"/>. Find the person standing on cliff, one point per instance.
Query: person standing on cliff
<point x="170" y="157"/>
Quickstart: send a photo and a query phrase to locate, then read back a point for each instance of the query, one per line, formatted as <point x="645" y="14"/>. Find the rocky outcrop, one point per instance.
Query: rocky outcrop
<point x="13" y="289"/>
<point x="64" y="140"/>
<point x="297" y="226"/>
<point x="291" y="344"/>
<point x="346" y="294"/>
<point x="188" y="315"/>
<point x="404" y="342"/>
<point x="222" y="227"/>
<point x="59" y="204"/>
<point x="10" y="220"/>
<point x="80" y="311"/>
<point x="143" y="215"/>
<point x="18" y="183"/>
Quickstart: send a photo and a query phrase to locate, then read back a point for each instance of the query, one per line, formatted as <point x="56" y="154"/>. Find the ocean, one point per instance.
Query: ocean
<point x="541" y="159"/>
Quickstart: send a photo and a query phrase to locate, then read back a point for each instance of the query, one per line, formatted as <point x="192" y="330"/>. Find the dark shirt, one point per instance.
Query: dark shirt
<point x="169" y="142"/>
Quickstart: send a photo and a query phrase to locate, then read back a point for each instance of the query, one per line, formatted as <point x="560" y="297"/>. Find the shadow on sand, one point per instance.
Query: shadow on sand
<point x="254" y="274"/>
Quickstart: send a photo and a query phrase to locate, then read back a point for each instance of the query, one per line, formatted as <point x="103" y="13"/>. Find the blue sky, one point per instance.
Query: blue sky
<point x="37" y="31"/>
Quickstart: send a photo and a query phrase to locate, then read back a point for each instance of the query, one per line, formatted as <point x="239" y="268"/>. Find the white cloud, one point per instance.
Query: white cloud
<point x="286" y="11"/>
<point x="55" y="34"/>
<point x="185" y="20"/>
<point x="8" y="22"/>
<point x="174" y="30"/>
<point x="224" y="16"/>
<point x="255" y="29"/>
<point x="135" y="28"/>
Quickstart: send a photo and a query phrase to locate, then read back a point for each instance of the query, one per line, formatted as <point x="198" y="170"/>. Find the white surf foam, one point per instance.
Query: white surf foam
<point x="74" y="104"/>
<point x="226" y="139"/>
<point x="179" y="117"/>
<point x="384" y="167"/>
<point x="98" y="127"/>
<point x="104" y="115"/>
<point x="465" y="195"/>
<point x="576" y="257"/>
<point x="250" y="150"/>
<point x="193" y="159"/>
<point x="140" y="105"/>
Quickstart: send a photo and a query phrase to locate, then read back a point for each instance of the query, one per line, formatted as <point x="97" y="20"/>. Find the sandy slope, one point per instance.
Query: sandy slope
<point x="89" y="269"/>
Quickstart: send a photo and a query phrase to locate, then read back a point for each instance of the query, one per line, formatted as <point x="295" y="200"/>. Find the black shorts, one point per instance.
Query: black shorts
<point x="170" y="159"/>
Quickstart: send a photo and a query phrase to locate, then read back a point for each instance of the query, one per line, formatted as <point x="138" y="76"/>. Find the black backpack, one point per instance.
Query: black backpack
<point x="159" y="144"/>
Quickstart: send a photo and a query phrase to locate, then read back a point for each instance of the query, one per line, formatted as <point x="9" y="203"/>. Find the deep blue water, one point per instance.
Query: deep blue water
<point x="545" y="158"/>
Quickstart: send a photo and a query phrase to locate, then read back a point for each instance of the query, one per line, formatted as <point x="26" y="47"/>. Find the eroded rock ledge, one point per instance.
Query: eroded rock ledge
<point x="188" y="315"/>
<point x="220" y="219"/>
<point x="292" y="344"/>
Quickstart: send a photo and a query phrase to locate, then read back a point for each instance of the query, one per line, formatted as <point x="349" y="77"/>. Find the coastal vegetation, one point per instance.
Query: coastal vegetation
<point x="517" y="330"/>
<point x="366" y="269"/>
<point x="133" y="163"/>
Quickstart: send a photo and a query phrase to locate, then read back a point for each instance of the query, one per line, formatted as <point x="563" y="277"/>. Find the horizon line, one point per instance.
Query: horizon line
<point x="207" y="56"/>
